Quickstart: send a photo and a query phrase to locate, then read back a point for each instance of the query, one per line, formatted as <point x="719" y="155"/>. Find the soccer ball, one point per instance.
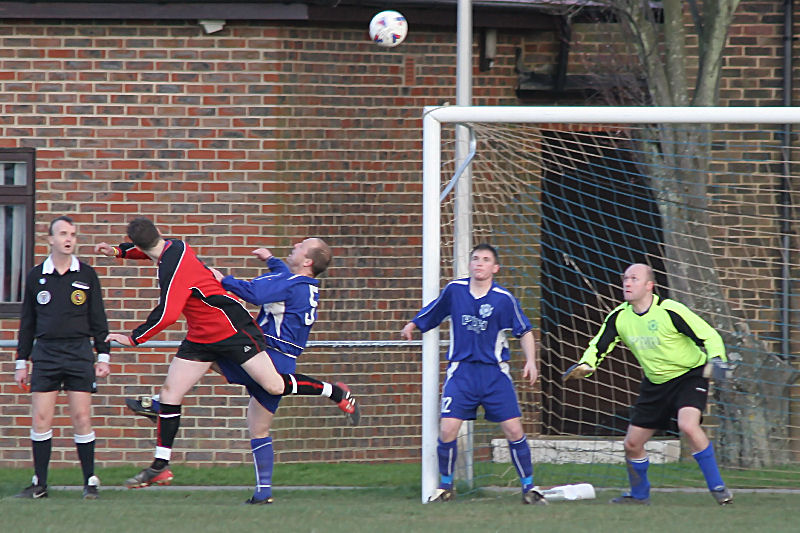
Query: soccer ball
<point x="388" y="28"/>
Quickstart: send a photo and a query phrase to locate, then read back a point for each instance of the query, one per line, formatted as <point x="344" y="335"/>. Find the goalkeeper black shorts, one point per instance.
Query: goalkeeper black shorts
<point x="658" y="404"/>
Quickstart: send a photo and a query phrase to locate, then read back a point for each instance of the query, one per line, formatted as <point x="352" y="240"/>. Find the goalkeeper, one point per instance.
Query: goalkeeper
<point x="668" y="341"/>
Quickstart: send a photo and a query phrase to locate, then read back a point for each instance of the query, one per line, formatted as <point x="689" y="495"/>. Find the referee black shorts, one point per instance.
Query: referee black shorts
<point x="657" y="406"/>
<point x="63" y="364"/>
<point x="238" y="348"/>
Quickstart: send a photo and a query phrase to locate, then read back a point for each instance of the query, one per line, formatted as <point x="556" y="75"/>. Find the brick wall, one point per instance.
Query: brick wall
<point x="259" y="135"/>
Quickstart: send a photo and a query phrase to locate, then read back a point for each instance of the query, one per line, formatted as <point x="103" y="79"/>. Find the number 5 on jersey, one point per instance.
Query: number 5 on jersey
<point x="313" y="295"/>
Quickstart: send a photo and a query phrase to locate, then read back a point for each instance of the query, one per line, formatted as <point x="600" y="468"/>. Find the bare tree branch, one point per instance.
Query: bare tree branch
<point x="675" y="160"/>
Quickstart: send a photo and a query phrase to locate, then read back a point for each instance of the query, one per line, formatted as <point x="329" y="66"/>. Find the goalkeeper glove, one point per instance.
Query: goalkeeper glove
<point x="716" y="369"/>
<point x="577" y="371"/>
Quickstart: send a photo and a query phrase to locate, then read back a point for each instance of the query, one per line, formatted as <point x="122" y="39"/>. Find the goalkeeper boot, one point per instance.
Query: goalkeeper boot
<point x="150" y="476"/>
<point x="349" y="405"/>
<point x="533" y="497"/>
<point x="143" y="407"/>
<point x="723" y="496"/>
<point x="627" y="499"/>
<point x="442" y="495"/>
<point x="92" y="489"/>
<point x="265" y="501"/>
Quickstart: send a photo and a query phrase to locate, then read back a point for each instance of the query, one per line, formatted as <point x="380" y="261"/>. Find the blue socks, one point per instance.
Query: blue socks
<point x="447" y="452"/>
<point x="263" y="460"/>
<point x="640" y="486"/>
<point x="708" y="465"/>
<point x="637" y="476"/>
<point x="521" y="457"/>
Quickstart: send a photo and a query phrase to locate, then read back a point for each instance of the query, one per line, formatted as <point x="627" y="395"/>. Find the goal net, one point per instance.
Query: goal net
<point x="570" y="197"/>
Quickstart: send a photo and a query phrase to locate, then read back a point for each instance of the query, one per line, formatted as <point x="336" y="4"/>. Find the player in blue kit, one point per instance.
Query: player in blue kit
<point x="288" y="296"/>
<point x="481" y="314"/>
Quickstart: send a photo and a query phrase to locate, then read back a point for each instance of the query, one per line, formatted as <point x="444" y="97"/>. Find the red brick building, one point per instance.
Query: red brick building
<point x="286" y="122"/>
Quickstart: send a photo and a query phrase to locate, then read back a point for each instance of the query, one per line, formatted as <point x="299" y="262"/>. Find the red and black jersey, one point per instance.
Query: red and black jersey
<point x="188" y="287"/>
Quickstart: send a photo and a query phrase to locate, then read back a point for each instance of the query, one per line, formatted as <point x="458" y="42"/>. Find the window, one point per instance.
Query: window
<point x="16" y="225"/>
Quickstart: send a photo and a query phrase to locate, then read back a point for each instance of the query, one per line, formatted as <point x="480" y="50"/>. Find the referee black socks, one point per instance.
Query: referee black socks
<point x="42" y="444"/>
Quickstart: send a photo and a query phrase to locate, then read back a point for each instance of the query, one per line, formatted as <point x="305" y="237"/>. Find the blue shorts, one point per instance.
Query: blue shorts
<point x="234" y="373"/>
<point x="470" y="384"/>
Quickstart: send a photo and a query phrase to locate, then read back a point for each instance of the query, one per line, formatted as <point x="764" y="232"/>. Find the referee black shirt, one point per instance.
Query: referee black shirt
<point x="56" y="306"/>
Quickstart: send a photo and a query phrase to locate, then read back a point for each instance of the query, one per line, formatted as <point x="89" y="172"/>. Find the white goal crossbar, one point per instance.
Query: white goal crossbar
<point x="434" y="117"/>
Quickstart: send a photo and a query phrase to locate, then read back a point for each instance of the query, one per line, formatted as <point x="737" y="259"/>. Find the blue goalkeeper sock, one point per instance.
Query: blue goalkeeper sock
<point x="521" y="457"/>
<point x="263" y="460"/>
<point x="637" y="476"/>
<point x="708" y="465"/>
<point x="447" y="452"/>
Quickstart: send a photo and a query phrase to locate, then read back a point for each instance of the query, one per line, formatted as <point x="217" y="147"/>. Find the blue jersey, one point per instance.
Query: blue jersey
<point x="478" y="326"/>
<point x="288" y="305"/>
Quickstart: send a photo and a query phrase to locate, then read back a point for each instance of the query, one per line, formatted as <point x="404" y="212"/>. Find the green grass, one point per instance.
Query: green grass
<point x="343" y="474"/>
<point x="403" y="475"/>
<point x="387" y="510"/>
<point x="388" y="501"/>
<point x="672" y="475"/>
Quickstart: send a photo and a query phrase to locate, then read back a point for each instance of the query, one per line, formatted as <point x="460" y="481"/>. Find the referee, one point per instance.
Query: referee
<point x="62" y="308"/>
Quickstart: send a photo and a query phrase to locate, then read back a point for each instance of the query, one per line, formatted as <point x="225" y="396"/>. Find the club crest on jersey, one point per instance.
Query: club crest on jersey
<point x="652" y="325"/>
<point x="43" y="297"/>
<point x="78" y="297"/>
<point x="486" y="310"/>
<point x="473" y="323"/>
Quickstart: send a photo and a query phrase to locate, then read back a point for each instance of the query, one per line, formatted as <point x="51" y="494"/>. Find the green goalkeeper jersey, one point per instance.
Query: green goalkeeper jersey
<point x="667" y="340"/>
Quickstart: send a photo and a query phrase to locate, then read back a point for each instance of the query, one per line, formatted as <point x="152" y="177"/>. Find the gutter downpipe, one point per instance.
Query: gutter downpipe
<point x="784" y="199"/>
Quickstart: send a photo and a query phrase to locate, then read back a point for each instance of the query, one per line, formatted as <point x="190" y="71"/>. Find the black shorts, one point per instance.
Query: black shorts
<point x="64" y="364"/>
<point x="657" y="405"/>
<point x="239" y="347"/>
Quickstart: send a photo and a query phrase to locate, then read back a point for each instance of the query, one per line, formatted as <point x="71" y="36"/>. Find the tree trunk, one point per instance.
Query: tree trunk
<point x="754" y="405"/>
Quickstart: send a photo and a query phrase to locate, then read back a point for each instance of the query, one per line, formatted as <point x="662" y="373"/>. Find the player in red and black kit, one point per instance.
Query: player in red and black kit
<point x="219" y="327"/>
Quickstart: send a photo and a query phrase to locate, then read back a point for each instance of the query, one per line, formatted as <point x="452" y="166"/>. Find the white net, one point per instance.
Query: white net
<point x="711" y="209"/>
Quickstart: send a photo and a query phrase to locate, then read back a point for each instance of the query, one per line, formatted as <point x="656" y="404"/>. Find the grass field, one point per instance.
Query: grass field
<point x="378" y="498"/>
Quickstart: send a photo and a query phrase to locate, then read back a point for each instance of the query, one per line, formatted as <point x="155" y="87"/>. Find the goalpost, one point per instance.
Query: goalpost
<point x="579" y="193"/>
